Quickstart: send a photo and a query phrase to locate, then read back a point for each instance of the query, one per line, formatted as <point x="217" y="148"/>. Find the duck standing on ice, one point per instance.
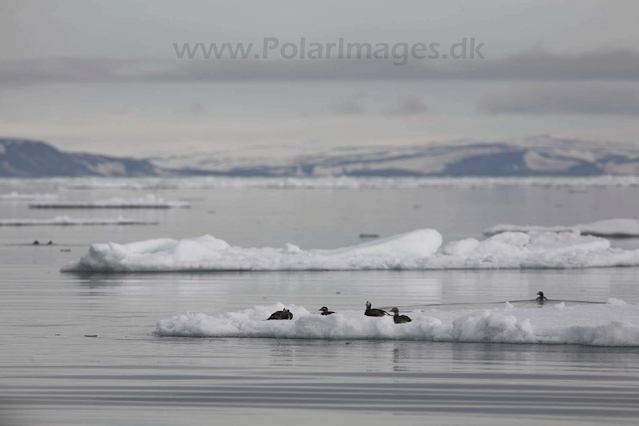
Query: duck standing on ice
<point x="541" y="297"/>
<point x="325" y="311"/>
<point x="284" y="314"/>
<point x="400" y="319"/>
<point x="374" y="312"/>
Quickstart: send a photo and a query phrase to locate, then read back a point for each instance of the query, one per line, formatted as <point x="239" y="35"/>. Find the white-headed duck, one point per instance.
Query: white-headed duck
<point x="369" y="312"/>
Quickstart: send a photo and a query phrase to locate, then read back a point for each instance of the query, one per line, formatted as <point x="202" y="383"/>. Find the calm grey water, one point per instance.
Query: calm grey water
<point x="50" y="373"/>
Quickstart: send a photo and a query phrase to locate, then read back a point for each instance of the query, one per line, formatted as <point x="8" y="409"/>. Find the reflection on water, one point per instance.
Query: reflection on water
<point x="559" y="383"/>
<point x="401" y="358"/>
<point x="281" y="355"/>
<point x="50" y="365"/>
<point x="52" y="374"/>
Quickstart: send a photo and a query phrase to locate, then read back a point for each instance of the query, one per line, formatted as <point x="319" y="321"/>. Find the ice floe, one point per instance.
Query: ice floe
<point x="330" y="182"/>
<point x="415" y="250"/>
<point x="70" y="221"/>
<point x="149" y="201"/>
<point x="27" y="196"/>
<point x="592" y="325"/>
<point x="616" y="228"/>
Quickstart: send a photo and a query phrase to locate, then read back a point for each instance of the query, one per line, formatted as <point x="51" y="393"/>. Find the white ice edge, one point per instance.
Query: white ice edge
<point x="603" y="228"/>
<point x="330" y="182"/>
<point x="147" y="201"/>
<point x="70" y="221"/>
<point x="27" y="196"/>
<point x="416" y="250"/>
<point x="613" y="324"/>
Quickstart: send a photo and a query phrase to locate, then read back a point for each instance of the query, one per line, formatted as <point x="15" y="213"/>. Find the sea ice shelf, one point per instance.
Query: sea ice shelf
<point x="617" y="228"/>
<point x="70" y="221"/>
<point x="336" y="182"/>
<point x="611" y="324"/>
<point x="416" y="250"/>
<point x="14" y="196"/>
<point x="146" y="202"/>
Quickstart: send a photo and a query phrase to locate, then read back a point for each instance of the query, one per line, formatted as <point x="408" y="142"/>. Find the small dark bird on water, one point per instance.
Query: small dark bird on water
<point x="284" y="314"/>
<point x="325" y="311"/>
<point x="400" y="319"/>
<point x="35" y="243"/>
<point x="541" y="297"/>
<point x="374" y="312"/>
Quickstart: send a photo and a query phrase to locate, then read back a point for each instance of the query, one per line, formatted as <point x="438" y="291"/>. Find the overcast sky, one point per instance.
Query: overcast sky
<point x="104" y="76"/>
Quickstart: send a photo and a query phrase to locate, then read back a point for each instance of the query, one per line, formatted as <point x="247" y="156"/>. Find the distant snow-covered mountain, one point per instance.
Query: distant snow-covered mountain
<point x="538" y="156"/>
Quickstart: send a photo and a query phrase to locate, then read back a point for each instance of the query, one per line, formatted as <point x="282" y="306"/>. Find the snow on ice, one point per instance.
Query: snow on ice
<point x="611" y="324"/>
<point x="70" y="221"/>
<point x="149" y="201"/>
<point x="416" y="250"/>
<point x="619" y="228"/>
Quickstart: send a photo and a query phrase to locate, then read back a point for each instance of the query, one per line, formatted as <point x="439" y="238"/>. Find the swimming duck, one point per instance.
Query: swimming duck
<point x="284" y="314"/>
<point x="400" y="319"/>
<point x="325" y="311"/>
<point x="374" y="312"/>
<point x="541" y="297"/>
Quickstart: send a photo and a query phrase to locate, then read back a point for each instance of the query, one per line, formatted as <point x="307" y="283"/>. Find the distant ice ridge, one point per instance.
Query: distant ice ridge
<point x="149" y="201"/>
<point x="415" y="250"/>
<point x="70" y="221"/>
<point x="331" y="182"/>
<point x="26" y="196"/>
<point x="619" y="228"/>
<point x="612" y="324"/>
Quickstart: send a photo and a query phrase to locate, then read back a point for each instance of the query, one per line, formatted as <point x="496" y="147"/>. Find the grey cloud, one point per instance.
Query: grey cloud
<point x="409" y="105"/>
<point x="539" y="64"/>
<point x="563" y="98"/>
<point x="350" y="106"/>
<point x="75" y="70"/>
<point x="197" y="108"/>
<point x="613" y="65"/>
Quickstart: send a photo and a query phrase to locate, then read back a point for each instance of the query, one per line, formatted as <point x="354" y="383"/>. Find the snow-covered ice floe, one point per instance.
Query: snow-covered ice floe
<point x="416" y="250"/>
<point x="611" y="324"/>
<point x="70" y="221"/>
<point x="614" y="228"/>
<point x="146" y="202"/>
<point x="27" y="196"/>
<point x="339" y="182"/>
